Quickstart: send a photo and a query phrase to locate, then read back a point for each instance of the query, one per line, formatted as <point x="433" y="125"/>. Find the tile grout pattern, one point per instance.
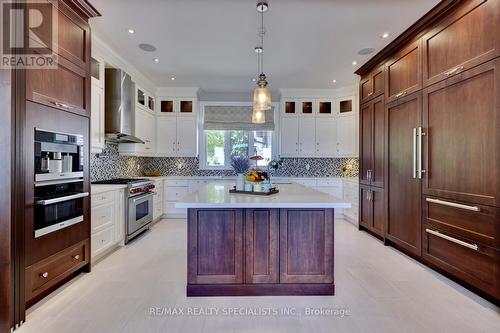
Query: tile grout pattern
<point x="384" y="290"/>
<point x="110" y="164"/>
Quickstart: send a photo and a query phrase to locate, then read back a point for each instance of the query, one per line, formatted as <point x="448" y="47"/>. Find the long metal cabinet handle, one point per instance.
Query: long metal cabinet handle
<point x="420" y="170"/>
<point x="453" y="240"/>
<point x="62" y="199"/>
<point x="453" y="204"/>
<point x="414" y="165"/>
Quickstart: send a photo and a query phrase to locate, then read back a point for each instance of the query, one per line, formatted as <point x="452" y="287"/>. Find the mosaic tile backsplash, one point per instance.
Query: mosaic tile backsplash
<point x="110" y="164"/>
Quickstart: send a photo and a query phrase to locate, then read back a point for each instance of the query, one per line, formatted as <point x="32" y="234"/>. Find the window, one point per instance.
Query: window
<point x="220" y="146"/>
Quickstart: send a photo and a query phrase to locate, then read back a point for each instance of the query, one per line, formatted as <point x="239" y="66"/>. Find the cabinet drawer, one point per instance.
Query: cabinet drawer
<point x="176" y="182"/>
<point x="475" y="222"/>
<point x="102" y="240"/>
<point x="102" y="216"/>
<point x="171" y="211"/>
<point x="65" y="87"/>
<point x="473" y="263"/>
<point x="175" y="193"/>
<point x="102" y="198"/>
<point x="44" y="274"/>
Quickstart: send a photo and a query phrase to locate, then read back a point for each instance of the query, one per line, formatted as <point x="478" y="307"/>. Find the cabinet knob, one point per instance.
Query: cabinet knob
<point x="45" y="275"/>
<point x="76" y="257"/>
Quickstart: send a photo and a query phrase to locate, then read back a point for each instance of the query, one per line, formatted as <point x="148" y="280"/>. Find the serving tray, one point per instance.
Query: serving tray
<point x="272" y="191"/>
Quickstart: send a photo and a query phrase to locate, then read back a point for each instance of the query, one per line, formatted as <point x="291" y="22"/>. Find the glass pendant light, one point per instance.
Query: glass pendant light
<point x="262" y="95"/>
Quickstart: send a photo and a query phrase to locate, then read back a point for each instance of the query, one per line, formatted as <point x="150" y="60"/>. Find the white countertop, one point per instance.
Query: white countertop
<point x="100" y="188"/>
<point x="216" y="195"/>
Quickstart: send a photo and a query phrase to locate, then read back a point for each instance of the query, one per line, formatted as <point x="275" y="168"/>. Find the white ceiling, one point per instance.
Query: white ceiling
<point x="209" y="43"/>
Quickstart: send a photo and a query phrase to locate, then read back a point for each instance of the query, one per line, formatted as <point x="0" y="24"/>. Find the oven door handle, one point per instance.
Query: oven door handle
<point x="62" y="199"/>
<point x="135" y="199"/>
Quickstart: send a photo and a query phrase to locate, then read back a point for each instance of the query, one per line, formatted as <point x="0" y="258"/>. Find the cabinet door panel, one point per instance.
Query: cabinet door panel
<point x="378" y="202"/>
<point x="307" y="136"/>
<point x="215" y="246"/>
<point x="262" y="245"/>
<point x="462" y="145"/>
<point x="365" y="207"/>
<point x="65" y="87"/>
<point x="186" y="136"/>
<point x="403" y="72"/>
<point x="404" y="196"/>
<point x="347" y="134"/>
<point x="97" y="119"/>
<point x="378" y="81"/>
<point x="365" y="143"/>
<point x="289" y="136"/>
<point x="306" y="246"/>
<point x="166" y="136"/>
<point x="326" y="138"/>
<point x="465" y="39"/>
<point x="378" y="139"/>
<point x="365" y="88"/>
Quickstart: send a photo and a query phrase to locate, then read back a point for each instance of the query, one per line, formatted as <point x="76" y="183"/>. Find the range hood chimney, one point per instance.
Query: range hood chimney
<point x="118" y="107"/>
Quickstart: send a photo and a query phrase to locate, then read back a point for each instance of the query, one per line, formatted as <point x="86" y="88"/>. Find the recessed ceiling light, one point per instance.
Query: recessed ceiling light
<point x="172" y="78"/>
<point x="354" y="63"/>
<point x="156" y="60"/>
<point x="254" y="80"/>
<point x="334" y="81"/>
<point x="131" y="31"/>
<point x="385" y="35"/>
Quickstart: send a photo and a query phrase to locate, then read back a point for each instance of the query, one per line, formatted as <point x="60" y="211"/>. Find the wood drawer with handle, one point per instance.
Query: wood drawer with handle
<point x="475" y="264"/>
<point x="66" y="87"/>
<point x="476" y="222"/>
<point x="46" y="273"/>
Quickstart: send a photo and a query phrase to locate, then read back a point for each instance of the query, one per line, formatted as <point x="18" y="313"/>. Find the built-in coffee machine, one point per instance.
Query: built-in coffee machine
<point x="58" y="181"/>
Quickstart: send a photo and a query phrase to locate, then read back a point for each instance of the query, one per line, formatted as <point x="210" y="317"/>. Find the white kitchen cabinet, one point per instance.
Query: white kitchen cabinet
<point x="97" y="116"/>
<point x="143" y="99"/>
<point x="107" y="221"/>
<point x="325" y="108"/>
<point x="326" y="137"/>
<point x="145" y="129"/>
<point x="347" y="136"/>
<point x="166" y="136"/>
<point x="307" y="136"/>
<point x="351" y="194"/>
<point x="177" y="106"/>
<point x="289" y="136"/>
<point x="186" y="136"/>
<point x="176" y="136"/>
<point x="345" y="106"/>
<point x="173" y="193"/>
<point x="158" y="199"/>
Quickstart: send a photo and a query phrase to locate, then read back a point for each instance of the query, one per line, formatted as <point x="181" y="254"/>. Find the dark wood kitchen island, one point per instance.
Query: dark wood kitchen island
<point x="246" y="245"/>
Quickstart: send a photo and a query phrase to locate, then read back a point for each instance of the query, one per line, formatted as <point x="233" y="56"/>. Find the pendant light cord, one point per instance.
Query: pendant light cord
<point x="262" y="40"/>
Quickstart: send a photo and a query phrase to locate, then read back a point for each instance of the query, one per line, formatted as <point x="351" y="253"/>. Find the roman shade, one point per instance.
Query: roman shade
<point x="226" y="117"/>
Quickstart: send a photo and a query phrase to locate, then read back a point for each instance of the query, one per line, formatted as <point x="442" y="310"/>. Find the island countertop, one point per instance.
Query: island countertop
<point x="216" y="195"/>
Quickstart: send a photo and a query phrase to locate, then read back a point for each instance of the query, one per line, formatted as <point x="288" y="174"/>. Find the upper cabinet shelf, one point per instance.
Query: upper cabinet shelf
<point x="177" y="106"/>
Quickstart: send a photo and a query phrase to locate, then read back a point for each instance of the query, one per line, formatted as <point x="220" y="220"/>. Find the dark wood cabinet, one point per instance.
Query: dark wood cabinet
<point x="467" y="38"/>
<point x="404" y="186"/>
<point x="372" y="209"/>
<point x="475" y="264"/>
<point x="441" y="142"/>
<point x="306" y="246"/>
<point x="66" y="88"/>
<point x="372" y="85"/>
<point x="372" y="146"/>
<point x="215" y="246"/>
<point x="403" y="72"/>
<point x="462" y="145"/>
<point x="261" y="245"/>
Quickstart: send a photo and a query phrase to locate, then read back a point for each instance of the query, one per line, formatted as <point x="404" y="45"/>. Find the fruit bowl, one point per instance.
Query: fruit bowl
<point x="256" y="176"/>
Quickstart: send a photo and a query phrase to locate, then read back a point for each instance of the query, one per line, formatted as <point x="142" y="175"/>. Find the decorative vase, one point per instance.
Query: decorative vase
<point x="240" y="182"/>
<point x="257" y="187"/>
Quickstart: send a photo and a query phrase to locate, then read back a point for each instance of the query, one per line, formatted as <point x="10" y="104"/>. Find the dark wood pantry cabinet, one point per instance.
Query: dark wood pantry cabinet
<point x="50" y="228"/>
<point x="441" y="143"/>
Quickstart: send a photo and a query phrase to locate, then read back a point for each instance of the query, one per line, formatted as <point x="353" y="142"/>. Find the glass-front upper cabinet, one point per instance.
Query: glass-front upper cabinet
<point x="151" y="103"/>
<point x="345" y="106"/>
<point x="324" y="107"/>
<point x="289" y="107"/>
<point x="141" y="97"/>
<point x="307" y="107"/>
<point x="167" y="106"/>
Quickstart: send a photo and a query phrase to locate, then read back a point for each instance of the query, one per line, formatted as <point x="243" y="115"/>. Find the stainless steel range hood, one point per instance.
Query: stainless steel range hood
<point x="118" y="107"/>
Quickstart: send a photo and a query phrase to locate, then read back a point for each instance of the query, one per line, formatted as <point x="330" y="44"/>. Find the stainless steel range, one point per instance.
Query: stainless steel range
<point x="138" y="204"/>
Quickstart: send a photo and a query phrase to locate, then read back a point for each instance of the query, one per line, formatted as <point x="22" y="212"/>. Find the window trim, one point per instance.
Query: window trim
<point x="202" y="136"/>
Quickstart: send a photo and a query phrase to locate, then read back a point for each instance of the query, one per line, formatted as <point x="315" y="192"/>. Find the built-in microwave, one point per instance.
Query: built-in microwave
<point x="58" y="206"/>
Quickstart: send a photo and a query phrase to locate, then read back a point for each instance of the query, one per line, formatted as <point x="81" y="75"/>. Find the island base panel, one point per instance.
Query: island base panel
<point x="319" y="289"/>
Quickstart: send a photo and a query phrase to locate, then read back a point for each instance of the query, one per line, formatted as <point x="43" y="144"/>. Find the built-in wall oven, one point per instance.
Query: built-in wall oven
<point x="59" y="193"/>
